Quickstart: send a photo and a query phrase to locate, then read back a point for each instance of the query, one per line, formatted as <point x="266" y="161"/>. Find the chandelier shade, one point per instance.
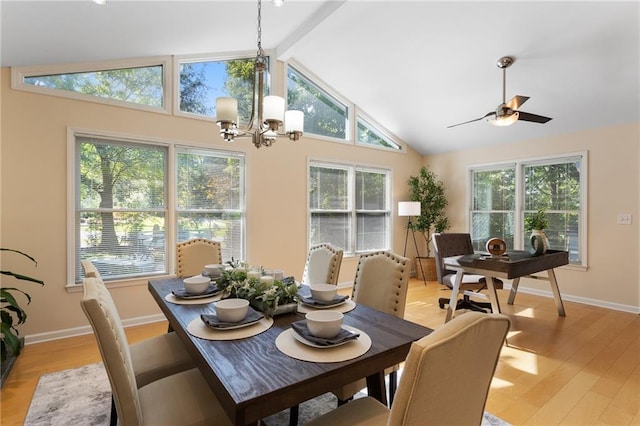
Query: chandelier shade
<point x="268" y="119"/>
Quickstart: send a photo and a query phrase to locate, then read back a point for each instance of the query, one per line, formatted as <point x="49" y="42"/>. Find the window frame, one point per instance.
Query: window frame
<point x="377" y="128"/>
<point x="18" y="75"/>
<point x="171" y="231"/>
<point x="519" y="166"/>
<point x="352" y="168"/>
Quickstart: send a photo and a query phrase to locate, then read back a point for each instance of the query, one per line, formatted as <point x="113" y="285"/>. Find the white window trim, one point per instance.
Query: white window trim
<point x="351" y="167"/>
<point x="20" y="73"/>
<point x="519" y="195"/>
<point x="173" y="146"/>
<point x="380" y="129"/>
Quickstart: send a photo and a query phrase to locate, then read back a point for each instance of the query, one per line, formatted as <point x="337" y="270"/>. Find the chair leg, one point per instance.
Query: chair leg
<point x="113" y="421"/>
<point x="293" y="415"/>
<point x="343" y="401"/>
<point x="393" y="385"/>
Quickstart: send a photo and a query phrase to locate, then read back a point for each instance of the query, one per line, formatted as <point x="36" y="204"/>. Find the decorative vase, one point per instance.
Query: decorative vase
<point x="537" y="236"/>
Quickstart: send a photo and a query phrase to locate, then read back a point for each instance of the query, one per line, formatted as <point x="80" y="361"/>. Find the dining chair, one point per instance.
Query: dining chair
<point x="456" y="244"/>
<point x="182" y="398"/>
<point x="322" y="265"/>
<point x="446" y="378"/>
<point x="381" y="282"/>
<point x="153" y="358"/>
<point x="193" y="254"/>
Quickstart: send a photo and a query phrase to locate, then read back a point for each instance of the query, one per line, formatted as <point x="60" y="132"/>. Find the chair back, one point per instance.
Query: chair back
<point x="449" y="244"/>
<point x="448" y="373"/>
<point x="323" y="265"/>
<point x="381" y="282"/>
<point x="195" y="253"/>
<point x="102" y="314"/>
<point x="89" y="270"/>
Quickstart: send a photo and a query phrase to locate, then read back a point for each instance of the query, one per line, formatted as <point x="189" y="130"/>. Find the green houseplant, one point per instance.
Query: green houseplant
<point x="429" y="191"/>
<point x="11" y="312"/>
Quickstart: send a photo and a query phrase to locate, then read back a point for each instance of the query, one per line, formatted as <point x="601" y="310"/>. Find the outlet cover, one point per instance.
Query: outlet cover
<point x="624" y="218"/>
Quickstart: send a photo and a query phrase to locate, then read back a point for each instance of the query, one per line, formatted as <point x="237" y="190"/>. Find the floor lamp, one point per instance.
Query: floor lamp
<point x="409" y="209"/>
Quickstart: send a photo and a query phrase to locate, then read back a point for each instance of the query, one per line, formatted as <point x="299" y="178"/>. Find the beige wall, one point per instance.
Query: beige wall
<point x="612" y="277"/>
<point x="33" y="195"/>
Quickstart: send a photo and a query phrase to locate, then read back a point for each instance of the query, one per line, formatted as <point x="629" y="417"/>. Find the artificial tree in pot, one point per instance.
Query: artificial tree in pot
<point x="429" y="190"/>
<point x="12" y="314"/>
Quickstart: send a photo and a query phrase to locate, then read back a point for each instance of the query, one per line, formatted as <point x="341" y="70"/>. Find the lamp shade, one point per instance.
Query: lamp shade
<point x="409" y="208"/>
<point x="226" y="109"/>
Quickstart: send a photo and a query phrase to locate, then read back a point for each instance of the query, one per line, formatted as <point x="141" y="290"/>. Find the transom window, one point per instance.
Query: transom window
<point x="123" y="220"/>
<point x="368" y="134"/>
<point x="349" y="206"/>
<point x="504" y="195"/>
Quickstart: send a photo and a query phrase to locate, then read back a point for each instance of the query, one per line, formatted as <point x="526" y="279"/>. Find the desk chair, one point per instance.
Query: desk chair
<point x="430" y="392"/>
<point x="456" y="244"/>
<point x="322" y="265"/>
<point x="195" y="253"/>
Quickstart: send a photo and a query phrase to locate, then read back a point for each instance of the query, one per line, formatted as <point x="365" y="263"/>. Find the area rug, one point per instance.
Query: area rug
<point x="82" y="396"/>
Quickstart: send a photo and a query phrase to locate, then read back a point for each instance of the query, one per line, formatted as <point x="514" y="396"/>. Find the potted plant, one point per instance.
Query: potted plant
<point x="12" y="315"/>
<point x="429" y="191"/>
<point x="536" y="224"/>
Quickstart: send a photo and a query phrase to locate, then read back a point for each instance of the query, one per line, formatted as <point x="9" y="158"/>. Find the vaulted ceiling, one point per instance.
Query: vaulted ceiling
<point x="414" y="66"/>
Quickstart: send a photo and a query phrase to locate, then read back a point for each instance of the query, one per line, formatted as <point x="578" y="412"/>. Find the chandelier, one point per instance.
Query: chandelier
<point x="268" y="115"/>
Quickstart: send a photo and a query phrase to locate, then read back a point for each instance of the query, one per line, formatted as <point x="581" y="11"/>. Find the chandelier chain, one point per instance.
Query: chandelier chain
<point x="259" y="28"/>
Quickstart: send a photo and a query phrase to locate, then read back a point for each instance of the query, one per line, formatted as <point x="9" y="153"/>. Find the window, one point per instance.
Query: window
<point x="135" y="84"/>
<point x="324" y="115"/>
<point x="367" y="134"/>
<point x="202" y="82"/>
<point x="123" y="220"/>
<point x="555" y="185"/>
<point x="349" y="207"/>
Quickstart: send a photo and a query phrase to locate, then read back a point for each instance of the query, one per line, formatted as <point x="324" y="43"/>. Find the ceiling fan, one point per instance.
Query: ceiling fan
<point x="507" y="113"/>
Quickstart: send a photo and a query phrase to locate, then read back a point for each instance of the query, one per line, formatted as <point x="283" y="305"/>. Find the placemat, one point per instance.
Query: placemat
<point x="178" y="301"/>
<point x="347" y="306"/>
<point x="288" y="345"/>
<point x="199" y="329"/>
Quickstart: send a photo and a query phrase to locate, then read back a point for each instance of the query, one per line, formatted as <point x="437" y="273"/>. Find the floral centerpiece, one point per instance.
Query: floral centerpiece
<point x="263" y="292"/>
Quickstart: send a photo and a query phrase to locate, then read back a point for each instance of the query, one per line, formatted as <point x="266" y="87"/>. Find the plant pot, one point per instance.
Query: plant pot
<point x="428" y="268"/>
<point x="8" y="364"/>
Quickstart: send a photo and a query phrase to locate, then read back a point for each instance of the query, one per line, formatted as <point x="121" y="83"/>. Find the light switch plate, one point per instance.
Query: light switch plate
<point x="624" y="218"/>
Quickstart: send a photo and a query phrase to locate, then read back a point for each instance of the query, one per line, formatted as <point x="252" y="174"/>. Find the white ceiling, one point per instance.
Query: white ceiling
<point x="414" y="66"/>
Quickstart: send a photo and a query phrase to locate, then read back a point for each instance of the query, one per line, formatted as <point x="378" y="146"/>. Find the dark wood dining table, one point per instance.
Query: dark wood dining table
<point x="251" y="377"/>
<point x="514" y="265"/>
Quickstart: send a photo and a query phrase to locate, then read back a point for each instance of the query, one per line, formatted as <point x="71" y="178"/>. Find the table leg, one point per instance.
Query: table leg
<point x="514" y="290"/>
<point x="556" y="292"/>
<point x="453" y="301"/>
<point x="493" y="296"/>
<point x="376" y="387"/>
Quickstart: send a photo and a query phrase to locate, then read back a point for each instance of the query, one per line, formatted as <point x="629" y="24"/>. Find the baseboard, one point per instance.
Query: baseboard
<point x="79" y="331"/>
<point x="584" y="300"/>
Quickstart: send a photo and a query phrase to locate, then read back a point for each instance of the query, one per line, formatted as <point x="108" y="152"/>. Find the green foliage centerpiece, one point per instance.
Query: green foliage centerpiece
<point x="262" y="291"/>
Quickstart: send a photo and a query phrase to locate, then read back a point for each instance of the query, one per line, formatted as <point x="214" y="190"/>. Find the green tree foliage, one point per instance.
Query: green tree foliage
<point x="429" y="191"/>
<point x="193" y="90"/>
<point x="239" y="85"/>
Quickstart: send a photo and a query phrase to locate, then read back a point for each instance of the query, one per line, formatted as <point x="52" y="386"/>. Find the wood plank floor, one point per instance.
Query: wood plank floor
<point x="579" y="370"/>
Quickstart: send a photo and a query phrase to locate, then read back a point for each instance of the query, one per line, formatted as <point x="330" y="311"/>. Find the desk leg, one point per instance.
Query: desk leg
<point x="453" y="301"/>
<point x="556" y="292"/>
<point x="514" y="290"/>
<point x="376" y="387"/>
<point x="493" y="296"/>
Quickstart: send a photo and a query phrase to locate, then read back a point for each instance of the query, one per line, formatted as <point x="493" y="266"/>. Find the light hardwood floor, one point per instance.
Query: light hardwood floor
<point x="579" y="370"/>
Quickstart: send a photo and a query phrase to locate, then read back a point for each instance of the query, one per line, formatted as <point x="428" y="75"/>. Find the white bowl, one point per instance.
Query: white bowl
<point x="196" y="285"/>
<point x="325" y="324"/>
<point x="324" y="292"/>
<point x="231" y="310"/>
<point x="214" y="270"/>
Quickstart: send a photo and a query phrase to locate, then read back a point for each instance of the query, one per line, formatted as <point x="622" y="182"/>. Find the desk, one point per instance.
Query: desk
<point x="515" y="265"/>
<point x="253" y="379"/>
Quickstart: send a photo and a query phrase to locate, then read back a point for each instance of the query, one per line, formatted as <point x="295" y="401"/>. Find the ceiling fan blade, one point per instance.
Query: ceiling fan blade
<point x="525" y="116"/>
<point x="471" y="121"/>
<point x="517" y="101"/>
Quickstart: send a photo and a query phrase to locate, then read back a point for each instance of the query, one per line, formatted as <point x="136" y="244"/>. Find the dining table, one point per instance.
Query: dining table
<point x="253" y="378"/>
<point x="513" y="265"/>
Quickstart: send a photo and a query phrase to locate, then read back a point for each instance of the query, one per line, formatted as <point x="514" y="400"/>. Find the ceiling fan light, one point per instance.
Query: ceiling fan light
<point x="505" y="120"/>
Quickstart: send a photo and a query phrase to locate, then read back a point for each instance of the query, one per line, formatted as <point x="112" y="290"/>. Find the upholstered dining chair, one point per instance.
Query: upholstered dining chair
<point x="456" y="244"/>
<point x="195" y="253"/>
<point x="381" y="282"/>
<point x="322" y="265"/>
<point x="466" y="349"/>
<point x="153" y="358"/>
<point x="182" y="398"/>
